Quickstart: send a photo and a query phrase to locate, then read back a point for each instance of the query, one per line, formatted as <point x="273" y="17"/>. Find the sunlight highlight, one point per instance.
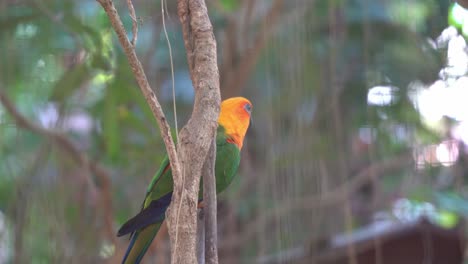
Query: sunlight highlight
<point x="447" y="153"/>
<point x="442" y="99"/>
<point x="381" y="95"/>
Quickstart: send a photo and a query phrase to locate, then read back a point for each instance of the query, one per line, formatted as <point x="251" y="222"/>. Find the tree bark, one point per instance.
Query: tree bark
<point x="201" y="237"/>
<point x="209" y="200"/>
<point x="196" y="137"/>
<point x="142" y="81"/>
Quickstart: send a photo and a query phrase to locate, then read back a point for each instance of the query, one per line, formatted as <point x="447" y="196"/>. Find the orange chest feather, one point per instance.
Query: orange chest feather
<point x="235" y="129"/>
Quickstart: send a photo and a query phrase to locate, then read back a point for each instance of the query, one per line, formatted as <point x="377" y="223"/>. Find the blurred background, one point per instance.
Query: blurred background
<point x="357" y="152"/>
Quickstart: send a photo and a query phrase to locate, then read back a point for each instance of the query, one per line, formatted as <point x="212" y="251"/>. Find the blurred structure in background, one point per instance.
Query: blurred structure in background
<point x="384" y="242"/>
<point x="418" y="242"/>
<point x="360" y="121"/>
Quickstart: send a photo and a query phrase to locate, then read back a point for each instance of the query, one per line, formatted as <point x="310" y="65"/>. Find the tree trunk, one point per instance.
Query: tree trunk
<point x="196" y="137"/>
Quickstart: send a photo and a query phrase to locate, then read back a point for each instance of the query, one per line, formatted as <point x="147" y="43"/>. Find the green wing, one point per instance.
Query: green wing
<point x="160" y="185"/>
<point x="145" y="225"/>
<point x="227" y="161"/>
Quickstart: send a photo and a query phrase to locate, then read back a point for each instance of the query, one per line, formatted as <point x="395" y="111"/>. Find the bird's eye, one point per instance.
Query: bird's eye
<point x="248" y="108"/>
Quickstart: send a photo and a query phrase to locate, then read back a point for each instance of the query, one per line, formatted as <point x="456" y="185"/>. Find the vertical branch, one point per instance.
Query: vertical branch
<point x="201" y="237"/>
<point x="209" y="199"/>
<point x="142" y="81"/>
<point x="134" y="22"/>
<point x="196" y="137"/>
<point x="184" y="16"/>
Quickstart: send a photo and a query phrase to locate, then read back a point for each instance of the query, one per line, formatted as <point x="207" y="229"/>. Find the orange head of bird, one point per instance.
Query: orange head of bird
<point x="235" y="118"/>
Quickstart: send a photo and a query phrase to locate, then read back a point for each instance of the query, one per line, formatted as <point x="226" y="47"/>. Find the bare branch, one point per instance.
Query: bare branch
<point x="131" y="9"/>
<point x="209" y="200"/>
<point x="196" y="137"/>
<point x="183" y="12"/>
<point x="201" y="236"/>
<point x="169" y="46"/>
<point x="142" y="81"/>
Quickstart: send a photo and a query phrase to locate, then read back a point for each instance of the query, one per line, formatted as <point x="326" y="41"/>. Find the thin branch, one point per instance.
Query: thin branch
<point x="183" y="11"/>
<point x="209" y="199"/>
<point x="201" y="237"/>
<point x="169" y="46"/>
<point x="142" y="81"/>
<point x="80" y="158"/>
<point x="131" y="9"/>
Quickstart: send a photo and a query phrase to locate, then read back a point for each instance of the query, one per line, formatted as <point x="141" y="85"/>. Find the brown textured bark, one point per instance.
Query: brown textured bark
<point x="196" y="137"/>
<point x="142" y="81"/>
<point x="209" y="199"/>
<point x="200" y="237"/>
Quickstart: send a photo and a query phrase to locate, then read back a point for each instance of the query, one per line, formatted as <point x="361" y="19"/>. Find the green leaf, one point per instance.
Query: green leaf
<point x="447" y="219"/>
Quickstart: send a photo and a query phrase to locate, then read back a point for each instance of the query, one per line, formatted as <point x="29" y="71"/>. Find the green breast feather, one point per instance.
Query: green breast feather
<point x="227" y="163"/>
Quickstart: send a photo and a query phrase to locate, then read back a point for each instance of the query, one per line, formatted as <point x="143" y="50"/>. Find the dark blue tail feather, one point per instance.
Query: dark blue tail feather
<point x="154" y="213"/>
